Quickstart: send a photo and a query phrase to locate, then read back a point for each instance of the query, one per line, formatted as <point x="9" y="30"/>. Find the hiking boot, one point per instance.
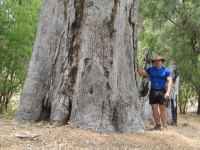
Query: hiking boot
<point x="157" y="128"/>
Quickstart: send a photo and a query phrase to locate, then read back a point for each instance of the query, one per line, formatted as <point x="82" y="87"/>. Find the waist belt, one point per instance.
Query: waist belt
<point x="158" y="89"/>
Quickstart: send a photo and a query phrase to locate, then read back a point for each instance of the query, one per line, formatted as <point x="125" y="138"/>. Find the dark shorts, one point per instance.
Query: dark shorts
<point x="157" y="96"/>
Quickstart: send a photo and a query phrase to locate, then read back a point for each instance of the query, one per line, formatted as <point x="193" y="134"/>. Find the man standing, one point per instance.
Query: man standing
<point x="161" y="83"/>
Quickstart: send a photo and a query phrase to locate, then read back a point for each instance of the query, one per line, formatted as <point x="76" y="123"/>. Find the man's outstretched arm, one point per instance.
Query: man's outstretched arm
<point x="141" y="71"/>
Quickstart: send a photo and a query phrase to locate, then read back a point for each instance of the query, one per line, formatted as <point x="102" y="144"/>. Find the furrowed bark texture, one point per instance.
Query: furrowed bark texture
<point x="82" y="67"/>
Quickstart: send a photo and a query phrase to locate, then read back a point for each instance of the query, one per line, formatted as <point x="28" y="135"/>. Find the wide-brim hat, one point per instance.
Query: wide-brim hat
<point x="158" y="57"/>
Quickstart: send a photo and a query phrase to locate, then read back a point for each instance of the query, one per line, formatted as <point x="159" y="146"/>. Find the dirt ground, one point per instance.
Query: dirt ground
<point x="186" y="136"/>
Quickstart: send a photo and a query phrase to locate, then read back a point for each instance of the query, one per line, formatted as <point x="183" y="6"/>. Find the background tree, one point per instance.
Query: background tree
<point x="18" y="23"/>
<point x="172" y="29"/>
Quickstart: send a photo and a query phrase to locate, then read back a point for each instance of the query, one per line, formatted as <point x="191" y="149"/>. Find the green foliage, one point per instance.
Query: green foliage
<point x="10" y="111"/>
<point x="186" y="96"/>
<point x="172" y="29"/>
<point x="18" y="24"/>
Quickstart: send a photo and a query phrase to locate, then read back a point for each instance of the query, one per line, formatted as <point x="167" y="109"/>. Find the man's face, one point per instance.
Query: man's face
<point x="158" y="63"/>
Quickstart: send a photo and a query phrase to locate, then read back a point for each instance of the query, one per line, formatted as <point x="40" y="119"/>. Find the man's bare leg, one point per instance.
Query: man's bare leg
<point x="163" y="115"/>
<point x="156" y="114"/>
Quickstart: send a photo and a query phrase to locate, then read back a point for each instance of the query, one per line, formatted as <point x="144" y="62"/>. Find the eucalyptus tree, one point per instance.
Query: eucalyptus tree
<point x="82" y="68"/>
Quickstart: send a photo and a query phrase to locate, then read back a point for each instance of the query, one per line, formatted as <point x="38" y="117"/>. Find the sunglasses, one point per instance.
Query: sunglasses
<point x="157" y="60"/>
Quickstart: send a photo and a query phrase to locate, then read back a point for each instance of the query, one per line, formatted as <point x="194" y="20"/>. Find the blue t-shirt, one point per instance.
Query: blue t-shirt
<point x="158" y="77"/>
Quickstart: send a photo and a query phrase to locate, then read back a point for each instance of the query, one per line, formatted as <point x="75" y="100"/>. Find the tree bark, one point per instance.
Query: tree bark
<point x="82" y="67"/>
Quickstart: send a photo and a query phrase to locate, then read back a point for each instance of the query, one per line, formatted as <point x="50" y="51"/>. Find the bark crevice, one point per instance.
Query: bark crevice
<point x="111" y="23"/>
<point x="132" y="22"/>
<point x="67" y="87"/>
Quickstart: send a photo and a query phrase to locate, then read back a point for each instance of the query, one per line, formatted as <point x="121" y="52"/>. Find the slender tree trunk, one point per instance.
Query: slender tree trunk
<point x="184" y="105"/>
<point x="198" y="95"/>
<point x="82" y="67"/>
<point x="180" y="109"/>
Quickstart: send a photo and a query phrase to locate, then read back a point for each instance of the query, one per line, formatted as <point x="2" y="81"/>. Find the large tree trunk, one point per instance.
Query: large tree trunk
<point x="82" y="67"/>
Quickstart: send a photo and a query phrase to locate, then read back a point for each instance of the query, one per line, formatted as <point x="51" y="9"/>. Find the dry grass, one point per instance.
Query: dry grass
<point x="185" y="136"/>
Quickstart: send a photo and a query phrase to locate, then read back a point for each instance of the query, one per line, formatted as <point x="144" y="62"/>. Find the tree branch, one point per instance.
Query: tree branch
<point x="177" y="25"/>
